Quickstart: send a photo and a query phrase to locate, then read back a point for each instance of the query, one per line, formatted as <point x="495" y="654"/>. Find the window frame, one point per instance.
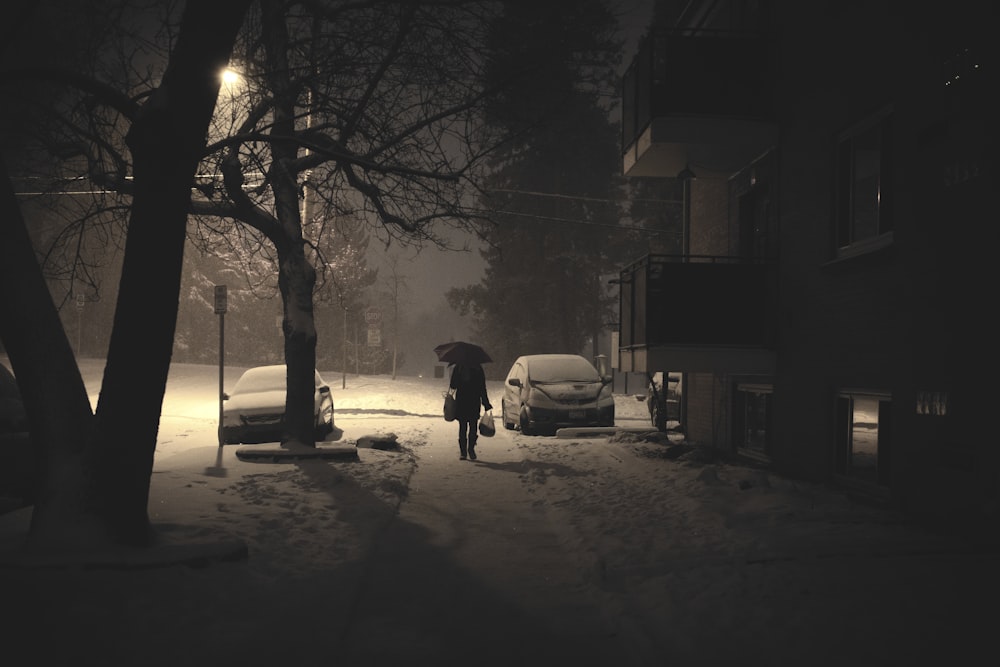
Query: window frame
<point x="846" y="241"/>
<point x="740" y="391"/>
<point x="844" y="429"/>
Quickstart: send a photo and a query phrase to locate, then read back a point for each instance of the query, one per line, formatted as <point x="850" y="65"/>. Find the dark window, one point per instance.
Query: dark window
<point x="752" y="418"/>
<point x="753" y="219"/>
<point x="864" y="198"/>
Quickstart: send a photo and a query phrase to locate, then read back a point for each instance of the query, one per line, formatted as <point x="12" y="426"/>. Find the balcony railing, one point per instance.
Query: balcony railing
<point x="710" y="74"/>
<point x="703" y="301"/>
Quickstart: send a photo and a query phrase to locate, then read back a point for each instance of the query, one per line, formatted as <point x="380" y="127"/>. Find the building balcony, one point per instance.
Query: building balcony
<point x="697" y="99"/>
<point x="697" y="314"/>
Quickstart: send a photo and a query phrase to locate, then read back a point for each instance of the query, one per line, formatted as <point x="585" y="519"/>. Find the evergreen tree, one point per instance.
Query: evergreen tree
<point x="553" y="193"/>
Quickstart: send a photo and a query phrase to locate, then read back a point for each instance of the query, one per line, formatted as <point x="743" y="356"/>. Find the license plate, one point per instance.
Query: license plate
<point x="577" y="414"/>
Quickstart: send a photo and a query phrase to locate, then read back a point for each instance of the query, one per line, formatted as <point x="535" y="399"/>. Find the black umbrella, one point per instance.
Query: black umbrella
<point x="460" y="352"/>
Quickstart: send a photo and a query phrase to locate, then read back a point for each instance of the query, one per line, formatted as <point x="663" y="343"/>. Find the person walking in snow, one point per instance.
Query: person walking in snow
<point x="469" y="383"/>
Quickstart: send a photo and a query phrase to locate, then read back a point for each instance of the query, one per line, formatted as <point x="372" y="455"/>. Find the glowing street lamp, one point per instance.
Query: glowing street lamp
<point x="230" y="77"/>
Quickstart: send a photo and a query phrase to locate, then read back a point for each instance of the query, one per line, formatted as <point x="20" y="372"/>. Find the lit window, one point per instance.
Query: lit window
<point x="863" y="435"/>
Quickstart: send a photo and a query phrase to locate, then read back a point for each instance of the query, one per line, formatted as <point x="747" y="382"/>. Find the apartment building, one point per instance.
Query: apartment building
<point x="831" y="306"/>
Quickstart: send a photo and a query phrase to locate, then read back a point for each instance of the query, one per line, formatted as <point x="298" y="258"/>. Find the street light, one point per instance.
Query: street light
<point x="230" y="77"/>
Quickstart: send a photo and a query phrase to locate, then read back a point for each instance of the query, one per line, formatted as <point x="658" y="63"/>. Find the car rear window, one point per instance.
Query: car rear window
<point x="261" y="379"/>
<point x="266" y="378"/>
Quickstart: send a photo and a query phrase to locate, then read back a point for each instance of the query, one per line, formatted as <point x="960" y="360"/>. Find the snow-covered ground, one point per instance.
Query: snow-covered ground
<point x="628" y="549"/>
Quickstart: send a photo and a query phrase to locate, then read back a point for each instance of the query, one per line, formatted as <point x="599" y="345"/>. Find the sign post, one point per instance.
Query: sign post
<point x="80" y="300"/>
<point x="373" y="317"/>
<point x="221" y="305"/>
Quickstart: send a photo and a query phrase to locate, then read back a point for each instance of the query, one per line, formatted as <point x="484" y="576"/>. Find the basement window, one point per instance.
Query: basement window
<point x="752" y="418"/>
<point x="863" y="436"/>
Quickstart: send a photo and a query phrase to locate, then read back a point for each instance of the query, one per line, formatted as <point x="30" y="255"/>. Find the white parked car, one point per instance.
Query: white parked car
<point x="545" y="392"/>
<point x="254" y="411"/>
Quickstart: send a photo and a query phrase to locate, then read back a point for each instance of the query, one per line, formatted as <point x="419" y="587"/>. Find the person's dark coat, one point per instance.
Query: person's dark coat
<point x="469" y="383"/>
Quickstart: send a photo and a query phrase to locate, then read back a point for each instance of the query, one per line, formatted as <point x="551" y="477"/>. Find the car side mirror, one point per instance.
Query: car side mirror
<point x="225" y="396"/>
<point x="606" y="379"/>
<point x="514" y="382"/>
<point x="324" y="389"/>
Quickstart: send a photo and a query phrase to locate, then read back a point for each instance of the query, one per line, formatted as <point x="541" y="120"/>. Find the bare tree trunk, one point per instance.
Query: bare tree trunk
<point x="295" y="281"/>
<point x="49" y="380"/>
<point x="167" y="141"/>
<point x="296" y="276"/>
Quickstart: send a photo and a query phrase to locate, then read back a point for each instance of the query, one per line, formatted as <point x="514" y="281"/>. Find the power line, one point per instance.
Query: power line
<point x="571" y="221"/>
<point x="580" y="198"/>
<point x="66" y="192"/>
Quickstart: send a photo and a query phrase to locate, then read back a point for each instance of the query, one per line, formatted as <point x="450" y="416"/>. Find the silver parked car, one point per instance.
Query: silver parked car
<point x="254" y="411"/>
<point x="545" y="392"/>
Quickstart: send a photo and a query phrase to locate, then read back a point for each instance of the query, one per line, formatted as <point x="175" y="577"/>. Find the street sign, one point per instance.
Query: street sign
<point x="221" y="303"/>
<point x="80" y="300"/>
<point x="373" y="315"/>
<point x="374" y="337"/>
<point x="221" y="299"/>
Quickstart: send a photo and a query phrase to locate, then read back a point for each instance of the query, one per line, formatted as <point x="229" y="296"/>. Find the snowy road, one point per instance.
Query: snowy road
<point x="586" y="551"/>
<point x="474" y="555"/>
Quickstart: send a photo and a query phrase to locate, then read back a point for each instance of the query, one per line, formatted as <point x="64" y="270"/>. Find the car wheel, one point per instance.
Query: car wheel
<point x="658" y="415"/>
<point x="657" y="404"/>
<point x="324" y="421"/>
<point x="526" y="421"/>
<point x="507" y="424"/>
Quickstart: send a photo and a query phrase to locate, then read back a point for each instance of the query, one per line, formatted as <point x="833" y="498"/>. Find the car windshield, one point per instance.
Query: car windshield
<point x="563" y="369"/>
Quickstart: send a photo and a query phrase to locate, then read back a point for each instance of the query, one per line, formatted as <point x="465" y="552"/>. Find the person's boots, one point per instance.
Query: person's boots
<point x="461" y="450"/>
<point x="472" y="449"/>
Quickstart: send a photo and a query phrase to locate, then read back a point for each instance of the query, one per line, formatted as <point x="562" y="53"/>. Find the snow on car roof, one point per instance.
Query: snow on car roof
<point x="560" y="367"/>
<point x="265" y="378"/>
